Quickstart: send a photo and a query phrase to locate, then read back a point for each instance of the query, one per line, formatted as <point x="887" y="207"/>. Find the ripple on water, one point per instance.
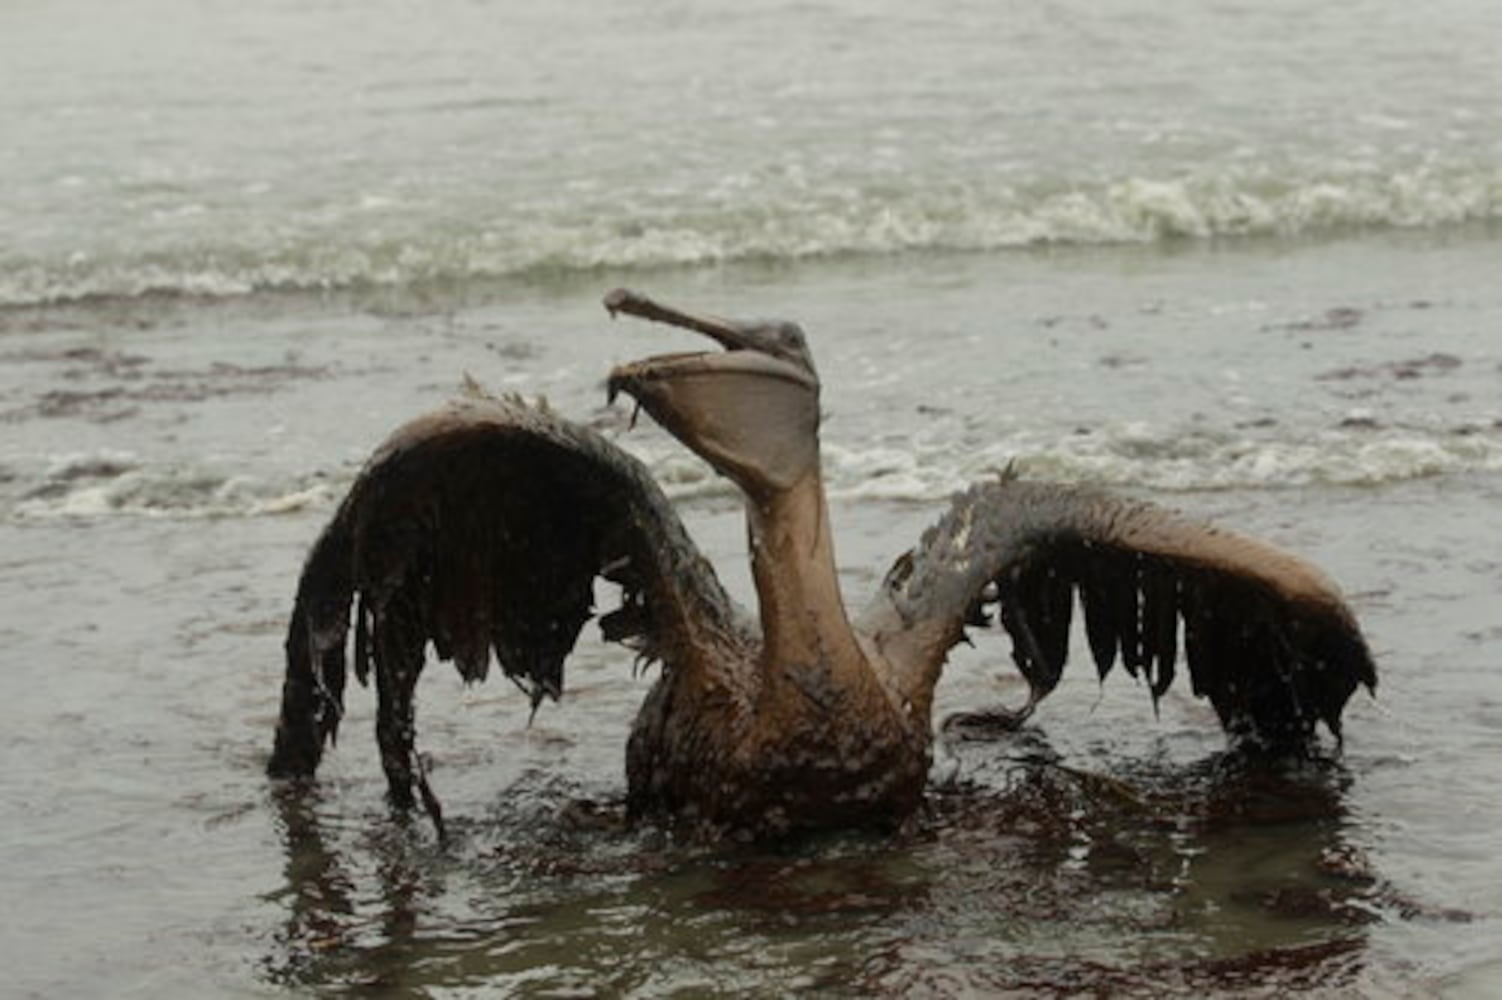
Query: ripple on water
<point x="1215" y="878"/>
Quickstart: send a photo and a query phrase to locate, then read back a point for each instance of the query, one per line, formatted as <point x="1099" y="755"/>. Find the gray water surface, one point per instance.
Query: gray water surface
<point x="1239" y="260"/>
<point x="147" y="580"/>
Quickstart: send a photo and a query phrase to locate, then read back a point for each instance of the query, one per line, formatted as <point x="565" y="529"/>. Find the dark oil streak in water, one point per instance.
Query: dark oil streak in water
<point x="1029" y="851"/>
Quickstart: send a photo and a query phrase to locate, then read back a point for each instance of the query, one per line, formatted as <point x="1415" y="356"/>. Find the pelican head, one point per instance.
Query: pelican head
<point x="751" y="411"/>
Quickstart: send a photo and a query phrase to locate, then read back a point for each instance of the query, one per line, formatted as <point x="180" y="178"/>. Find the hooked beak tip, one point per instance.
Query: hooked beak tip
<point x="617" y="299"/>
<point x="623" y="300"/>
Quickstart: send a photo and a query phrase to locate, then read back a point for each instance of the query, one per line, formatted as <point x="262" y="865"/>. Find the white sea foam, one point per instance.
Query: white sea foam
<point x="1127" y="456"/>
<point x="1169" y="460"/>
<point x="112" y="484"/>
<point x="787" y="223"/>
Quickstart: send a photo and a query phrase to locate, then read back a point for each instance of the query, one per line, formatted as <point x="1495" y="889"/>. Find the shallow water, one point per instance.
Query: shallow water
<point x="149" y="568"/>
<point x="1240" y="260"/>
<point x="219" y="149"/>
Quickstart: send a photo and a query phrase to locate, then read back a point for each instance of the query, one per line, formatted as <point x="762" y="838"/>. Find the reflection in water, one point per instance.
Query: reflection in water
<point x="1029" y="875"/>
<point x="1203" y="879"/>
<point x="355" y="912"/>
<point x="318" y="893"/>
<point x="341" y="901"/>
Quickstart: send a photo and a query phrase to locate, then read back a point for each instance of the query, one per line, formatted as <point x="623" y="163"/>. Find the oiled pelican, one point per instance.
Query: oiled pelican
<point x="481" y="527"/>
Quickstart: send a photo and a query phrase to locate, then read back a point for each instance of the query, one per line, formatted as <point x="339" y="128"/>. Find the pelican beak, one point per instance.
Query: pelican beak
<point x="729" y="335"/>
<point x="752" y="410"/>
<point x="651" y="377"/>
<point x="759" y="349"/>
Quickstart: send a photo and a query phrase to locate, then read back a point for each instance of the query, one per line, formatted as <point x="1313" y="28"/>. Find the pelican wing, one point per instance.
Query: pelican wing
<point x="1266" y="636"/>
<point x="480" y="529"/>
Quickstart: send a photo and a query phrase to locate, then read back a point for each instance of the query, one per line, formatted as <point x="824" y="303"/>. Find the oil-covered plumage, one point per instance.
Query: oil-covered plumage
<point x="480" y="530"/>
<point x="1267" y="637"/>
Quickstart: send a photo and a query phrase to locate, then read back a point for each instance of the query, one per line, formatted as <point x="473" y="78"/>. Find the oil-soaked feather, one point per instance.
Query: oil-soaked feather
<point x="1124" y="576"/>
<point x="363" y="652"/>
<point x="1054" y="600"/>
<point x="1027" y="651"/>
<point x="1201" y="646"/>
<point x="1267" y="638"/>
<point x="1160" y="624"/>
<point x="1036" y="608"/>
<point x="313" y="689"/>
<point x="480" y="529"/>
<point x="1100" y="629"/>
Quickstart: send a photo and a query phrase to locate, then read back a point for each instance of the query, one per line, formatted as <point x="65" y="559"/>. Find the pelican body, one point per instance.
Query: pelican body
<point x="479" y="529"/>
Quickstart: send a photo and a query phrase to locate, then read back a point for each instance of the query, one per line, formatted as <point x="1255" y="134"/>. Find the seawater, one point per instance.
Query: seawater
<point x="1237" y="259"/>
<point x="206" y="149"/>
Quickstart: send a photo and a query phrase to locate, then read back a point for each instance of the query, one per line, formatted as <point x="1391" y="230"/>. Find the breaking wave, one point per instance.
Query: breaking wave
<point x="462" y="243"/>
<point x="1133" y="456"/>
<point x="111" y="483"/>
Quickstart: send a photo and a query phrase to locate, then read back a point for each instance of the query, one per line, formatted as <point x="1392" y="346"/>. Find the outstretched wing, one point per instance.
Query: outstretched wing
<point x="480" y="529"/>
<point x="1267" y="637"/>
